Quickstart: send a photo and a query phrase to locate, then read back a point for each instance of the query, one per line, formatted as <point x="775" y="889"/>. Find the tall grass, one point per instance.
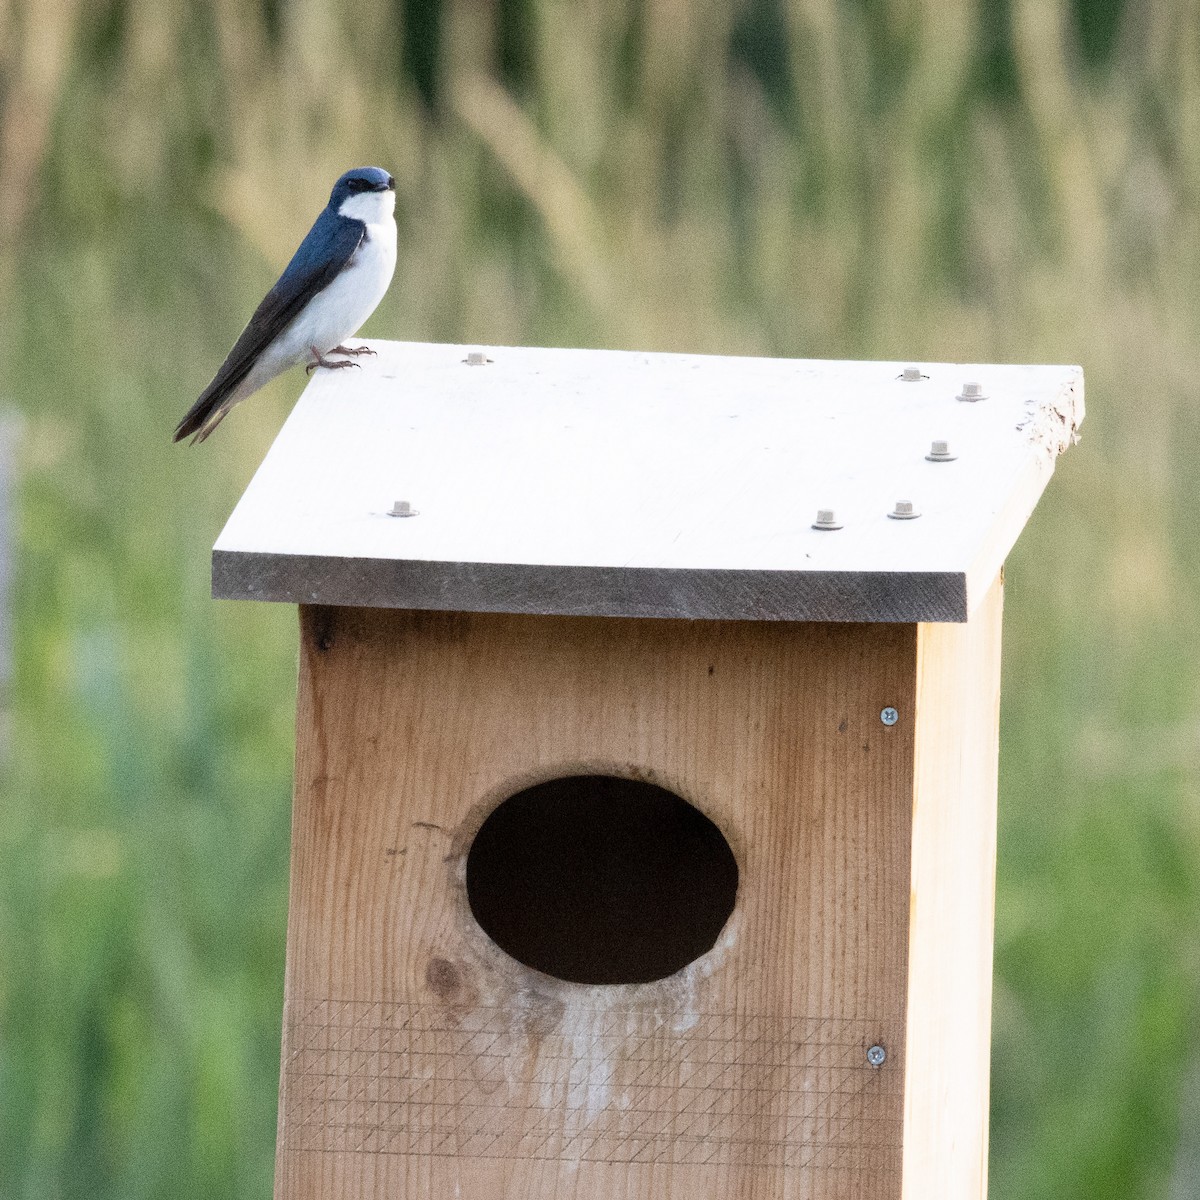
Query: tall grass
<point x="882" y="178"/>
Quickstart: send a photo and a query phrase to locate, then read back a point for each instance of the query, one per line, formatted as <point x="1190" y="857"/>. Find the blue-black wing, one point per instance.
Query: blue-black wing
<point x="329" y="246"/>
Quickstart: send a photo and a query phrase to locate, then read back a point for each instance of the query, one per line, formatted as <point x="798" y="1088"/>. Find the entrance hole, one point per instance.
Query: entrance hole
<point x="596" y="879"/>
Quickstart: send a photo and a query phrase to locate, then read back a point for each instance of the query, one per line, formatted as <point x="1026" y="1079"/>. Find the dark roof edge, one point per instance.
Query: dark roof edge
<point x="652" y="592"/>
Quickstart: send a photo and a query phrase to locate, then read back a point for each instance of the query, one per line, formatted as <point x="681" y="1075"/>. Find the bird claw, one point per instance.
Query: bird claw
<point x="321" y="360"/>
<point x="353" y="350"/>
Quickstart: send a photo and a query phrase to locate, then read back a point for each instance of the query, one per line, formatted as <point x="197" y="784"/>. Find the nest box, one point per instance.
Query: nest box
<point x="644" y="828"/>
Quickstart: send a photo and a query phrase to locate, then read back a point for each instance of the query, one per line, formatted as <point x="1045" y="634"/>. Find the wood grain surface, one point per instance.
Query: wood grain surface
<point x="953" y="906"/>
<point x="421" y="1061"/>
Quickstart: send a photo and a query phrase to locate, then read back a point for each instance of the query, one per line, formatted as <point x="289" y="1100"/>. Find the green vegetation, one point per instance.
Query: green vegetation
<point x="951" y="180"/>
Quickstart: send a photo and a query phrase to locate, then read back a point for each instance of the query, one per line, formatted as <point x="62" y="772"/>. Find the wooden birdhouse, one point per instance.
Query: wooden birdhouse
<point x="645" y="809"/>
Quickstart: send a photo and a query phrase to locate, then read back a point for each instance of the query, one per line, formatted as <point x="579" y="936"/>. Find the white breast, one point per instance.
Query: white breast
<point x="341" y="309"/>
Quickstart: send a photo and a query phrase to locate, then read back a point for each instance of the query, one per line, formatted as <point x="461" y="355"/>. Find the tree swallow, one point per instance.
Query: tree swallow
<point x="330" y="287"/>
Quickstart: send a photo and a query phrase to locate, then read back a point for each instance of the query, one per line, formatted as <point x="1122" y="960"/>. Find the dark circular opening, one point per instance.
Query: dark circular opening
<point x="595" y="879"/>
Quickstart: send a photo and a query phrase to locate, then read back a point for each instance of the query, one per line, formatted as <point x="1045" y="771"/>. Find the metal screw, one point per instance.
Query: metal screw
<point x="877" y="1056"/>
<point x="402" y="508"/>
<point x="940" y="452"/>
<point x="826" y="519"/>
<point x="972" y="392"/>
<point x="905" y="510"/>
<point x="889" y="716"/>
<point x="476" y="358"/>
<point x="912" y="375"/>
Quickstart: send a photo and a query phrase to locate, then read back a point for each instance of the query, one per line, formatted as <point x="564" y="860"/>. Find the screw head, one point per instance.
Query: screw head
<point x="877" y="1056"/>
<point x="402" y="508"/>
<point x="972" y="392"/>
<point x="905" y="510"/>
<point x="940" y="452"/>
<point x="912" y="375"/>
<point x="889" y="716"/>
<point x="826" y="519"/>
<point x="476" y="358"/>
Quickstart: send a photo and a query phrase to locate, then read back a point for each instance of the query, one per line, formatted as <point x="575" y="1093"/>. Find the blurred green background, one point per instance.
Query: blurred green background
<point x="912" y="179"/>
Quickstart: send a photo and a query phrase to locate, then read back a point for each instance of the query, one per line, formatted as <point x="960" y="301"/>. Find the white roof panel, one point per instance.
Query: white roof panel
<point x="632" y="484"/>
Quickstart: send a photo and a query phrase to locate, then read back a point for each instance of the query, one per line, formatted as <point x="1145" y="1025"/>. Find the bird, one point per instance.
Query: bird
<point x="332" y="285"/>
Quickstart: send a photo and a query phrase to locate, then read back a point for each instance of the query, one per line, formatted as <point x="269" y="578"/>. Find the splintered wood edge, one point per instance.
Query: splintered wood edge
<point x="1053" y="424"/>
<point x="1052" y="427"/>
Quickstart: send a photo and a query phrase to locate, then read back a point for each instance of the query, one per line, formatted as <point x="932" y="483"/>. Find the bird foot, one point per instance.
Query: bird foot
<point x="333" y="364"/>
<point x="354" y="350"/>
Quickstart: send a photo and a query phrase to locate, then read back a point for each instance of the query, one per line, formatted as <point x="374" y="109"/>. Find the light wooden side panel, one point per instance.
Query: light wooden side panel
<point x="420" y="1061"/>
<point x="953" y="906"/>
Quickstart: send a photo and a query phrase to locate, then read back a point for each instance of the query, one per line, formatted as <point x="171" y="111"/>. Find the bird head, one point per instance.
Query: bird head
<point x="365" y="193"/>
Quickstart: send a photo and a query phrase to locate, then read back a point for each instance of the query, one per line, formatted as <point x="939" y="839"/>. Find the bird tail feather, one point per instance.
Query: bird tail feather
<point x="209" y="411"/>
